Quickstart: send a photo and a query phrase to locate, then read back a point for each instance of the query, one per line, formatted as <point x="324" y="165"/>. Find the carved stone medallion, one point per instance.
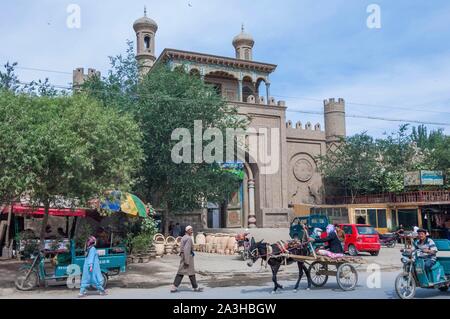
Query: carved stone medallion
<point x="303" y="170"/>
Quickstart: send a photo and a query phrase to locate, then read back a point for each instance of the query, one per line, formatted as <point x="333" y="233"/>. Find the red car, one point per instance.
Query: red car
<point x="361" y="238"/>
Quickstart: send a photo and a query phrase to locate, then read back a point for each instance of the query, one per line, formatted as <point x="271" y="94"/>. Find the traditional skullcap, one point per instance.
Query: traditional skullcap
<point x="188" y="228"/>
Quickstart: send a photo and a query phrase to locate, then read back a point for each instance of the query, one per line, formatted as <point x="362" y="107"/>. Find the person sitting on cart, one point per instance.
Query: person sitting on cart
<point x="334" y="244"/>
<point x="426" y="249"/>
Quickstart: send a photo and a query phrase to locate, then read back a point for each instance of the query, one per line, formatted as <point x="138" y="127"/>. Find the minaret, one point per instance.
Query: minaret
<point x="145" y="29"/>
<point x="334" y="122"/>
<point x="243" y="43"/>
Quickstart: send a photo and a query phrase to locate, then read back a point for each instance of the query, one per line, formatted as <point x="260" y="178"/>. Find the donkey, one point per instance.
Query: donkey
<point x="260" y="250"/>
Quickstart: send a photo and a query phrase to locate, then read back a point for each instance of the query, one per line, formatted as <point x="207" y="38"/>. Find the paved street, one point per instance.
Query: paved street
<point x="238" y="291"/>
<point x="224" y="277"/>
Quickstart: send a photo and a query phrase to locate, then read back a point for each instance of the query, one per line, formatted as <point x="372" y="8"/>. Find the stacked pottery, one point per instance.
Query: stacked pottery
<point x="222" y="244"/>
<point x="214" y="243"/>
<point x="159" y="243"/>
<point x="208" y="246"/>
<point x="231" y="244"/>
<point x="169" y="244"/>
<point x="200" y="240"/>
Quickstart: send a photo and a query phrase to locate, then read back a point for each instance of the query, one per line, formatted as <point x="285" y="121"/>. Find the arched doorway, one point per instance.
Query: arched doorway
<point x="240" y="209"/>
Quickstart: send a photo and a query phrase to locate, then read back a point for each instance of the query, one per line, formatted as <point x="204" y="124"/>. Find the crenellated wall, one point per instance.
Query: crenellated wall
<point x="79" y="77"/>
<point x="308" y="131"/>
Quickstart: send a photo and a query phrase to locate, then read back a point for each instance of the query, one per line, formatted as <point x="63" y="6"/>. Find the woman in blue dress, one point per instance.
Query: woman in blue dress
<point x="92" y="275"/>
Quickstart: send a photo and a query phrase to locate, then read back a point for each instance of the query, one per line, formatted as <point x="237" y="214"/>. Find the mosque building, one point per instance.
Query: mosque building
<point x="264" y="199"/>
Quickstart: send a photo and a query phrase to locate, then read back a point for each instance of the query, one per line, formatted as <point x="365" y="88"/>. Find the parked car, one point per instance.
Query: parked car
<point x="361" y="238"/>
<point x="312" y="221"/>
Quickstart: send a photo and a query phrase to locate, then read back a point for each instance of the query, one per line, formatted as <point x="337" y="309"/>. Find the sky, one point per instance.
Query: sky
<point x="322" y="48"/>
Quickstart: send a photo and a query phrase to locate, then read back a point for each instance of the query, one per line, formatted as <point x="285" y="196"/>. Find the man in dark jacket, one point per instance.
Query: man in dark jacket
<point x="332" y="239"/>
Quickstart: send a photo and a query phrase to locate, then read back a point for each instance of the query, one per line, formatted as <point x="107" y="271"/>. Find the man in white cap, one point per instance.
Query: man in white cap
<point x="186" y="262"/>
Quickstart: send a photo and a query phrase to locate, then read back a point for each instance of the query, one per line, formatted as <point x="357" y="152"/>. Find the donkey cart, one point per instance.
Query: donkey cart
<point x="319" y="270"/>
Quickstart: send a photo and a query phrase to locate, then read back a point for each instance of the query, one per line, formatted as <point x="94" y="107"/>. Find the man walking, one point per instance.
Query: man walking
<point x="186" y="262"/>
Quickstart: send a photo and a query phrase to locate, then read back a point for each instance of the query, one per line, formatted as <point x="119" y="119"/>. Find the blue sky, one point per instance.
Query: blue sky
<point x="322" y="48"/>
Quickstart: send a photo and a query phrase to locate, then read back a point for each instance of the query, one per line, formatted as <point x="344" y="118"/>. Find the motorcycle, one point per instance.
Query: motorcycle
<point x="388" y="240"/>
<point x="414" y="274"/>
<point x="243" y="244"/>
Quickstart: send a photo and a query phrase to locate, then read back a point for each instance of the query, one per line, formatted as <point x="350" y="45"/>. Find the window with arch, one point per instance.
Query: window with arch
<point x="147" y="42"/>
<point x="246" y="92"/>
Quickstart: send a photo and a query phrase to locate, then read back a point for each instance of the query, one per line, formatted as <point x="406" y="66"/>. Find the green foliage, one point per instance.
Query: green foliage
<point x="30" y="244"/>
<point x="141" y="243"/>
<point x="363" y="165"/>
<point x="83" y="233"/>
<point x="353" y="169"/>
<point x="8" y="79"/>
<point x="65" y="147"/>
<point x="170" y="100"/>
<point x="161" y="102"/>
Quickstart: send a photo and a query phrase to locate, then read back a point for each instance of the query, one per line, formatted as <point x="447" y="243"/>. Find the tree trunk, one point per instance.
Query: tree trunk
<point x="165" y="218"/>
<point x="44" y="224"/>
<point x="8" y="223"/>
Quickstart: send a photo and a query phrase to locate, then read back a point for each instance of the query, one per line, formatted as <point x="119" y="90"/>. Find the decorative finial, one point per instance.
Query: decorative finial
<point x="145" y="11"/>
<point x="242" y="28"/>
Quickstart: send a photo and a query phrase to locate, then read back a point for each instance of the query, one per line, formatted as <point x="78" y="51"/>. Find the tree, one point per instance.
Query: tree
<point x="161" y="102"/>
<point x="65" y="148"/>
<point x="363" y="165"/>
<point x="353" y="169"/>
<point x="436" y="148"/>
<point x="8" y="79"/>
<point x="168" y="100"/>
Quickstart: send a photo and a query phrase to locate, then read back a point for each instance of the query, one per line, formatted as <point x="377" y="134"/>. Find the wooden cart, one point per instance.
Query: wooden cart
<point x="321" y="267"/>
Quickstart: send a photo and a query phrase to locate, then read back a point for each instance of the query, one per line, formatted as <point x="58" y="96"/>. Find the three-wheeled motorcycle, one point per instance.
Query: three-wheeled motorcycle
<point x="68" y="267"/>
<point x="414" y="274"/>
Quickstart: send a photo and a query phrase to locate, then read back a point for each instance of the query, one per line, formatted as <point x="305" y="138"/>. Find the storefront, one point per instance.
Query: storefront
<point x="436" y="219"/>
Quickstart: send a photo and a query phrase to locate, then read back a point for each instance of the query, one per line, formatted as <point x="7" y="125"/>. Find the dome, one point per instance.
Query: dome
<point x="145" y="22"/>
<point x="243" y="38"/>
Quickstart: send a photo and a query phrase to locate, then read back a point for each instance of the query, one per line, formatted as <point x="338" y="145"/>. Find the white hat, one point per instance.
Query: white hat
<point x="188" y="228"/>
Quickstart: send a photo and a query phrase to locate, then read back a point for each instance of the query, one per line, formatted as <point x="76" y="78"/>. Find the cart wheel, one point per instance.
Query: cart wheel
<point x="405" y="286"/>
<point x="105" y="280"/>
<point x="318" y="279"/>
<point x="346" y="277"/>
<point x="30" y="283"/>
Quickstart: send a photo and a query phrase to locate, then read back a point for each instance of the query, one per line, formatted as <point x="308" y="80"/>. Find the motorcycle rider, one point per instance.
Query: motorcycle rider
<point x="426" y="249"/>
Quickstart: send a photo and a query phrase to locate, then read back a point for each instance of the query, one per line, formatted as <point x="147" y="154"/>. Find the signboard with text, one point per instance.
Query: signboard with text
<point x="423" y="177"/>
<point x="431" y="178"/>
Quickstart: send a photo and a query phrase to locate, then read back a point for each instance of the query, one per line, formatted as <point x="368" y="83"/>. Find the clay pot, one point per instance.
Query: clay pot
<point x="178" y="240"/>
<point x="230" y="243"/>
<point x="209" y="239"/>
<point x="200" y="239"/>
<point x="159" y="238"/>
<point x="223" y="242"/>
<point x="168" y="248"/>
<point x="159" y="247"/>
<point x="170" y="240"/>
